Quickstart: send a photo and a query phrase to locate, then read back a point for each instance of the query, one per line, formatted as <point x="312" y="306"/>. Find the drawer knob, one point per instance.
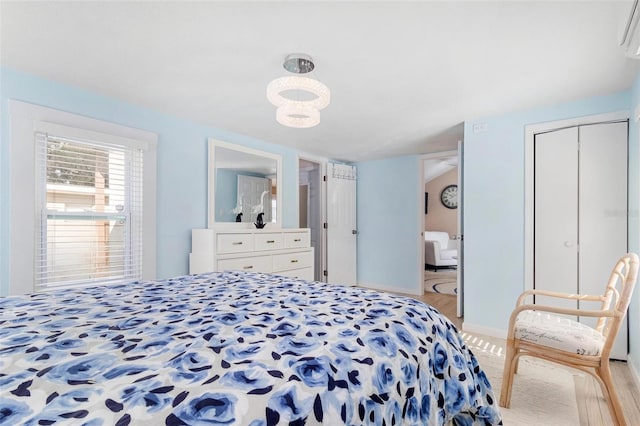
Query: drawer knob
<point x="297" y="240"/>
<point x="271" y="241"/>
<point x="247" y="267"/>
<point x="237" y="243"/>
<point x="294" y="260"/>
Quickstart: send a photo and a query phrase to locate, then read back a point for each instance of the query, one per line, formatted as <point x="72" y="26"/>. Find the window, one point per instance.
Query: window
<point x="89" y="194"/>
<point x="100" y="183"/>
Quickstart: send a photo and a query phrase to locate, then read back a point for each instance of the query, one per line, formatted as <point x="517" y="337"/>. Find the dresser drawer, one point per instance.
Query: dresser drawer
<point x="297" y="260"/>
<point x="303" y="274"/>
<point x="234" y="243"/>
<point x="247" y="264"/>
<point x="268" y="241"/>
<point x="296" y="240"/>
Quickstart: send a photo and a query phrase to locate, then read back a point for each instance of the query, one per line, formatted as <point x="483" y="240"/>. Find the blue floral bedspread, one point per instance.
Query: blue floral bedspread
<point x="235" y="349"/>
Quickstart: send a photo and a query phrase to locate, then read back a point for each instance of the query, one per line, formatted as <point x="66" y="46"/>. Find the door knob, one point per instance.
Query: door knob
<point x="568" y="244"/>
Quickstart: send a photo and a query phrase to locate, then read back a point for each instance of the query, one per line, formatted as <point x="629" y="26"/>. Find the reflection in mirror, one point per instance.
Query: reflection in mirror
<point x="245" y="183"/>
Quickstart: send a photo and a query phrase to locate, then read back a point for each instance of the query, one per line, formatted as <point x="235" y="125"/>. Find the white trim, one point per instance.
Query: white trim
<point x="530" y="131"/>
<point x="211" y="216"/>
<point x="487" y="331"/>
<point x="436" y="155"/>
<point x="40" y="113"/>
<point x="635" y="375"/>
<point x="23" y="118"/>
<point x="460" y="232"/>
<point x="420" y="261"/>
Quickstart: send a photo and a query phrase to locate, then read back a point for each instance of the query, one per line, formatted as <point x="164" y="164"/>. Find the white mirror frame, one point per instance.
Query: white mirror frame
<point x="211" y="223"/>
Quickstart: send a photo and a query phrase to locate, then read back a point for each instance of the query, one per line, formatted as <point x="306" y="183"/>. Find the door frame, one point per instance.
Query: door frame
<point x="322" y="162"/>
<point x="529" y="156"/>
<point x="460" y="217"/>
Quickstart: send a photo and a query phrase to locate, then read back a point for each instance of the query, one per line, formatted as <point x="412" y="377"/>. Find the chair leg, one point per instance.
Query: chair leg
<point x="610" y="394"/>
<point x="510" y="364"/>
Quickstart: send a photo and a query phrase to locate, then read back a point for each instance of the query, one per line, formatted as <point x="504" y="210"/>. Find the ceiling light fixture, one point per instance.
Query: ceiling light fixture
<point x="298" y="111"/>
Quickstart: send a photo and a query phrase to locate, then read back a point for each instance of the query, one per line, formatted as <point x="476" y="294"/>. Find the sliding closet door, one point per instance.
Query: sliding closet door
<point x="603" y="208"/>
<point x="580" y="212"/>
<point x="556" y="210"/>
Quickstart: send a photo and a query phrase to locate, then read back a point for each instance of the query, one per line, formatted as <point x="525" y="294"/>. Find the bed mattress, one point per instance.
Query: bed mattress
<point x="235" y="348"/>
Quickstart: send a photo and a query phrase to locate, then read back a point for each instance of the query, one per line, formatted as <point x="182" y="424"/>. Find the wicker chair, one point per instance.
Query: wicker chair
<point x="537" y="330"/>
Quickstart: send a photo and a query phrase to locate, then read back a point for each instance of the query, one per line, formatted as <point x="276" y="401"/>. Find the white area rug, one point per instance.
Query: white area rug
<point x="443" y="281"/>
<point x="543" y="393"/>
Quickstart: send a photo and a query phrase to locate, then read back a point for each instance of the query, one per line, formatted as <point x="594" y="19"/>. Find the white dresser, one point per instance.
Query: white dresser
<point x="278" y="251"/>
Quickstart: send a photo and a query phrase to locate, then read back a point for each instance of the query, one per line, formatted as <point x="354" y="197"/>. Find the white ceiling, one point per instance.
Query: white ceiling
<point x="403" y="75"/>
<point x="436" y="167"/>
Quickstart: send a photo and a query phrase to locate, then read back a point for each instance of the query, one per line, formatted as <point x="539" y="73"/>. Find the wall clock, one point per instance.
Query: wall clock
<point x="449" y="196"/>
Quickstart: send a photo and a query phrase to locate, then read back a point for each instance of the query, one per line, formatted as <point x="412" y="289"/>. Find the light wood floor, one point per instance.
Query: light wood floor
<point x="592" y="408"/>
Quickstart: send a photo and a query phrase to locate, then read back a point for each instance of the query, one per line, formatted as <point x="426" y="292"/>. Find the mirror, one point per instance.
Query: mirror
<point x="243" y="184"/>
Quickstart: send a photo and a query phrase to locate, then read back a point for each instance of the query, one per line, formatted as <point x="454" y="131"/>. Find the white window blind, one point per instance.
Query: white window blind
<point x="89" y="195"/>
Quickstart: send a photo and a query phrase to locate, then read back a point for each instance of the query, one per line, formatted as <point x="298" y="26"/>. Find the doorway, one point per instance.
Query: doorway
<point x="311" y="208"/>
<point x="441" y="234"/>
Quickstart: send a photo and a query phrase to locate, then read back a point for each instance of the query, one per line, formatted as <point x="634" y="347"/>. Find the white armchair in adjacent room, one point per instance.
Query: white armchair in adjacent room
<point x="439" y="250"/>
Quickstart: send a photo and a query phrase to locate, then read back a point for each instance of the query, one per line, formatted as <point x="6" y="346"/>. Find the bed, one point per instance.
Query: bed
<point x="235" y="348"/>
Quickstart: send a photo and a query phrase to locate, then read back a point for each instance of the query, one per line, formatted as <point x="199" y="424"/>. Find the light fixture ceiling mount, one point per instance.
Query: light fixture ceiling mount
<point x="298" y="111"/>
<point x="298" y="63"/>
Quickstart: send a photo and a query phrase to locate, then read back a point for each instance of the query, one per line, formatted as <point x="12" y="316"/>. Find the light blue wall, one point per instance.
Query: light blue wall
<point x="182" y="164"/>
<point x="494" y="205"/>
<point x="388" y="227"/>
<point x="387" y="194"/>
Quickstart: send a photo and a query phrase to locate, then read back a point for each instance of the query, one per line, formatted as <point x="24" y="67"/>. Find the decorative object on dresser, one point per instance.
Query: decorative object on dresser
<point x="278" y="251"/>
<point x="259" y="222"/>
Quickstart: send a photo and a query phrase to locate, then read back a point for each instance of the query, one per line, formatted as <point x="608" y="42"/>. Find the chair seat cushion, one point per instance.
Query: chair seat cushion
<point x="448" y="254"/>
<point x="558" y="332"/>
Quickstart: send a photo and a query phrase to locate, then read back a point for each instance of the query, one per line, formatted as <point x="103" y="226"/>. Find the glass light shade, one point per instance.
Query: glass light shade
<point x="306" y="84"/>
<point x="298" y="114"/>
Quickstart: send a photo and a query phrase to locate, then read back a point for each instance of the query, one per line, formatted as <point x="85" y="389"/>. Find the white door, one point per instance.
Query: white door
<point x="341" y="224"/>
<point x="556" y="213"/>
<point x="603" y="208"/>
<point x="580" y="223"/>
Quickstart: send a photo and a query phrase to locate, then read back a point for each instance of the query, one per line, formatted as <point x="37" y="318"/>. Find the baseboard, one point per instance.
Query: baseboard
<point x="389" y="289"/>
<point x="487" y="331"/>
<point x="635" y="375"/>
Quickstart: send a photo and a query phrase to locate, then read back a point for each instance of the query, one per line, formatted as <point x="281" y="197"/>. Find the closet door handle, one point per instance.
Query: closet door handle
<point x="568" y="244"/>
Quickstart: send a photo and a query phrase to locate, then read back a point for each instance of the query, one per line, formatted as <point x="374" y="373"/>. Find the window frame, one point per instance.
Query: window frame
<point x="27" y="119"/>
